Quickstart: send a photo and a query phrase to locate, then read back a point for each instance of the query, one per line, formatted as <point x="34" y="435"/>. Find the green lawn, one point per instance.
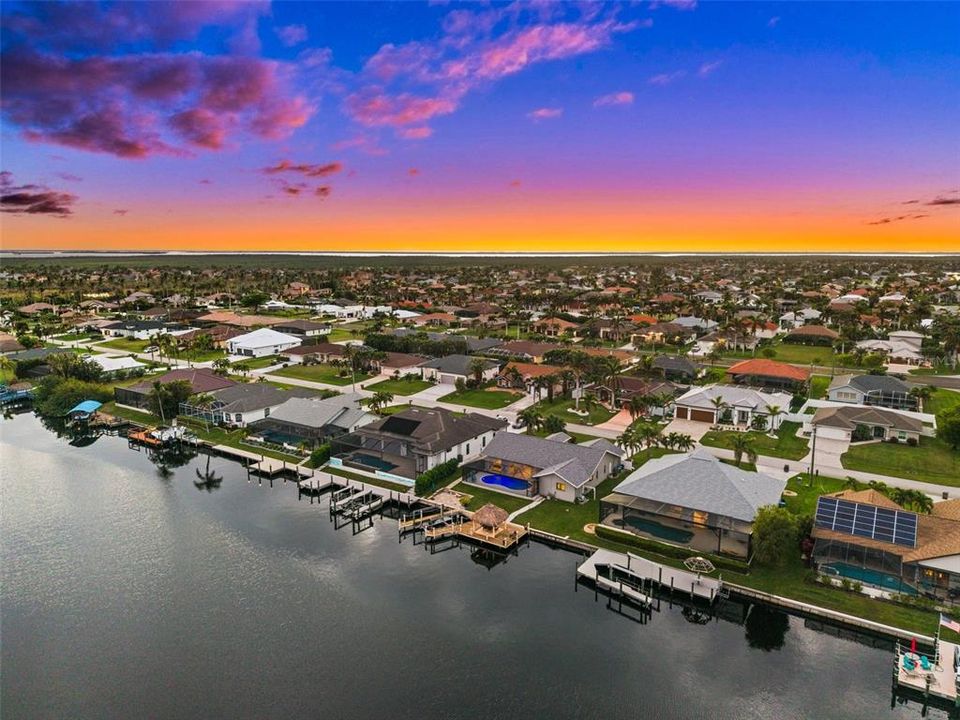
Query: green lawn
<point x="785" y="445"/>
<point x="127" y="344"/>
<point x="482" y="398"/>
<point x="257" y="363"/>
<point x="818" y="387"/>
<point x="368" y="480"/>
<point x="941" y="399"/>
<point x="142" y="417"/>
<point x="320" y="373"/>
<point x="74" y="337"/>
<point x="567" y="519"/>
<point x="805" y="502"/>
<point x="561" y="406"/>
<point x="234" y="438"/>
<point x="930" y="461"/>
<point x="578" y="437"/>
<point x="339" y="333"/>
<point x="937" y="370"/>
<point x="199" y="356"/>
<point x="402" y="386"/>
<point x="481" y="496"/>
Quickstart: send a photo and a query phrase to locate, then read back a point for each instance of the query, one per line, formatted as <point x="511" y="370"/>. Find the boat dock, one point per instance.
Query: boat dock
<point x="937" y="682"/>
<point x="618" y="571"/>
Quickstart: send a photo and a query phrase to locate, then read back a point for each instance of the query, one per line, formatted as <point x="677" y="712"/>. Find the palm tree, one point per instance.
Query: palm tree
<point x="531" y="417"/>
<point x="380" y="400"/>
<point x="774" y="411"/>
<point x="649" y="434"/>
<point x="158" y="393"/>
<point x="637" y="405"/>
<point x="628" y="440"/>
<point x="514" y="376"/>
<point x="742" y="445"/>
<point x="477" y="367"/>
<point x="719" y="405"/>
<point x="8" y="368"/>
<point x="610" y="370"/>
<point x="221" y="366"/>
<point x="683" y="442"/>
<point x="921" y="393"/>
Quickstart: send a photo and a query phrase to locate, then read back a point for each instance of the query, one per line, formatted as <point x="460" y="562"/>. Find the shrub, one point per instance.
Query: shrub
<point x="775" y="535"/>
<point x="435" y="476"/>
<point x="57" y="396"/>
<point x="320" y="455"/>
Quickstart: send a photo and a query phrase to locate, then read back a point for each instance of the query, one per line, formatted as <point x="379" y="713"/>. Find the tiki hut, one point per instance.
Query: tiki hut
<point x="489" y="519"/>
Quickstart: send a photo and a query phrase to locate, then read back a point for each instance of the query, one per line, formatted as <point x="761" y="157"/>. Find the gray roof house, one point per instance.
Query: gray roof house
<point x="881" y="390"/>
<point x="453" y="367"/>
<point x="412" y="441"/>
<point x="692" y="499"/>
<point x="314" y="420"/>
<point x="550" y="466"/>
<point x="243" y="403"/>
<point x="875" y="423"/>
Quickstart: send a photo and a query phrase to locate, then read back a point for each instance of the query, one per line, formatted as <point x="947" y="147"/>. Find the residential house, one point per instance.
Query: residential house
<point x="732" y="405"/>
<point x="322" y="352"/>
<point x="555" y="327"/>
<point x="859" y="423"/>
<point x="902" y="347"/>
<point x="769" y="374"/>
<point x="799" y="318"/>
<point x="529" y="465"/>
<point x="242" y="404"/>
<point x="415" y="440"/>
<point x="526" y="376"/>
<point x="202" y="380"/>
<point x="303" y="328"/>
<point x="880" y="390"/>
<point x="812" y="335"/>
<point x="134" y="329"/>
<point x="524" y="350"/>
<point x="451" y="368"/>
<point x="867" y="537"/>
<point x="659" y="393"/>
<point x="313" y="421"/>
<point x="261" y="343"/>
<point x="693" y="500"/>
<point x="677" y="368"/>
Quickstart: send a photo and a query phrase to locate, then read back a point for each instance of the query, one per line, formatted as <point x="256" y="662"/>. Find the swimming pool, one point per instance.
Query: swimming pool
<point x="868" y="577"/>
<point x="371" y="461"/>
<point x="664" y="532"/>
<point x="510" y="483"/>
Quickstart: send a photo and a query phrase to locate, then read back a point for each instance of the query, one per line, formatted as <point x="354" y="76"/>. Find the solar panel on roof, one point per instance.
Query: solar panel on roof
<point x="400" y="426"/>
<point x="867" y="521"/>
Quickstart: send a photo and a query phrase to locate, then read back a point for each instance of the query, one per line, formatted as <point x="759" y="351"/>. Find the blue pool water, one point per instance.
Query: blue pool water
<point x="371" y="461"/>
<point x="869" y="577"/>
<point x="510" y="483"/>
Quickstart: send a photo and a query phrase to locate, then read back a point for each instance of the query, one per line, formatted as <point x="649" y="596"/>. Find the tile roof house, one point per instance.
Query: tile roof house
<point x="925" y="561"/>
<point x="768" y="373"/>
<point x="202" y="380"/>
<point x="531" y="465"/>
<point x="692" y="499"/>
<point x="875" y="423"/>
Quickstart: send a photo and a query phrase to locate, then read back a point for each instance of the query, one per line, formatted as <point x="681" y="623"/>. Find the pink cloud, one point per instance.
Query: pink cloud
<point x="415" y="133"/>
<point x="63" y="85"/>
<point x="666" y="78"/>
<point x="291" y="35"/>
<point x="378" y="108"/>
<point x="708" y="67"/>
<point x="545" y="113"/>
<point x="618" y="98"/>
<point x="305" y="169"/>
<point x="413" y="172"/>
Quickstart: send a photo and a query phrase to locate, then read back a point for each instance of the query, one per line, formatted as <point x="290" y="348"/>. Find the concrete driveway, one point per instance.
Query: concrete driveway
<point x="693" y="428"/>
<point x="618" y="423"/>
<point x="829" y="451"/>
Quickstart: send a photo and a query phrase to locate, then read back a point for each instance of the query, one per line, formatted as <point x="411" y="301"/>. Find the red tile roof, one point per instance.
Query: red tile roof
<point x="769" y="368"/>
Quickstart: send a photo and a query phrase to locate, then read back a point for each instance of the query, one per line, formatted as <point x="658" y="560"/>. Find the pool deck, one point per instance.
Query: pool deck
<point x="706" y="588"/>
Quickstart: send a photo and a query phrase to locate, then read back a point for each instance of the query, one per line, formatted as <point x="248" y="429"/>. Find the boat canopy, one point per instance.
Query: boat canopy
<point x="87" y="406"/>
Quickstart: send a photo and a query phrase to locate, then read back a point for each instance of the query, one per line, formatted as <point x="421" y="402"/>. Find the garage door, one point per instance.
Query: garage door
<point x="702" y="415"/>
<point x="681" y="413"/>
<point x="448" y="379"/>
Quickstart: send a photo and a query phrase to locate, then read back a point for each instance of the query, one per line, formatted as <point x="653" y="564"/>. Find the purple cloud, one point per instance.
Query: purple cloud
<point x="33" y="199"/>
<point x="618" y="98"/>
<point x="291" y="35"/>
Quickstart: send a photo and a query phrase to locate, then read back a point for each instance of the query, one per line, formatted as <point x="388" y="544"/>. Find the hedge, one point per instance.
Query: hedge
<point x="721" y="563"/>
<point x="436" y="476"/>
<point x="319" y="456"/>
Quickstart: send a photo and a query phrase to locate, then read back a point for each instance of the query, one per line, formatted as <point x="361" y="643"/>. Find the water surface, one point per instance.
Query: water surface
<point x="129" y="592"/>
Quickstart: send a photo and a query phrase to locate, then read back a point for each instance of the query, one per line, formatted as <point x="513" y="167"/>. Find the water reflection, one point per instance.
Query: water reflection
<point x="766" y="628"/>
<point x="207" y="480"/>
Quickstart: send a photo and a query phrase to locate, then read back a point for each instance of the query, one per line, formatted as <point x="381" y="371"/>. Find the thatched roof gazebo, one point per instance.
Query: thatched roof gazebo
<point x="490" y="518"/>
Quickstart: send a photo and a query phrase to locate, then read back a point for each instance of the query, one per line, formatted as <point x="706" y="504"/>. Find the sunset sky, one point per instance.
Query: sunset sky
<point x="649" y="126"/>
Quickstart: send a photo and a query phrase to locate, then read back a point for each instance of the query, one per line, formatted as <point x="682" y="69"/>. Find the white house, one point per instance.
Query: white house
<point x="112" y="364"/>
<point x="262" y="342"/>
<point x="798" y="318"/>
<point x="710" y="404"/>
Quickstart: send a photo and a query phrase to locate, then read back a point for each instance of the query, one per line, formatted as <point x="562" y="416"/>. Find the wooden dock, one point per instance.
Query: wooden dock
<point x="938" y="682"/>
<point x="608" y="565"/>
